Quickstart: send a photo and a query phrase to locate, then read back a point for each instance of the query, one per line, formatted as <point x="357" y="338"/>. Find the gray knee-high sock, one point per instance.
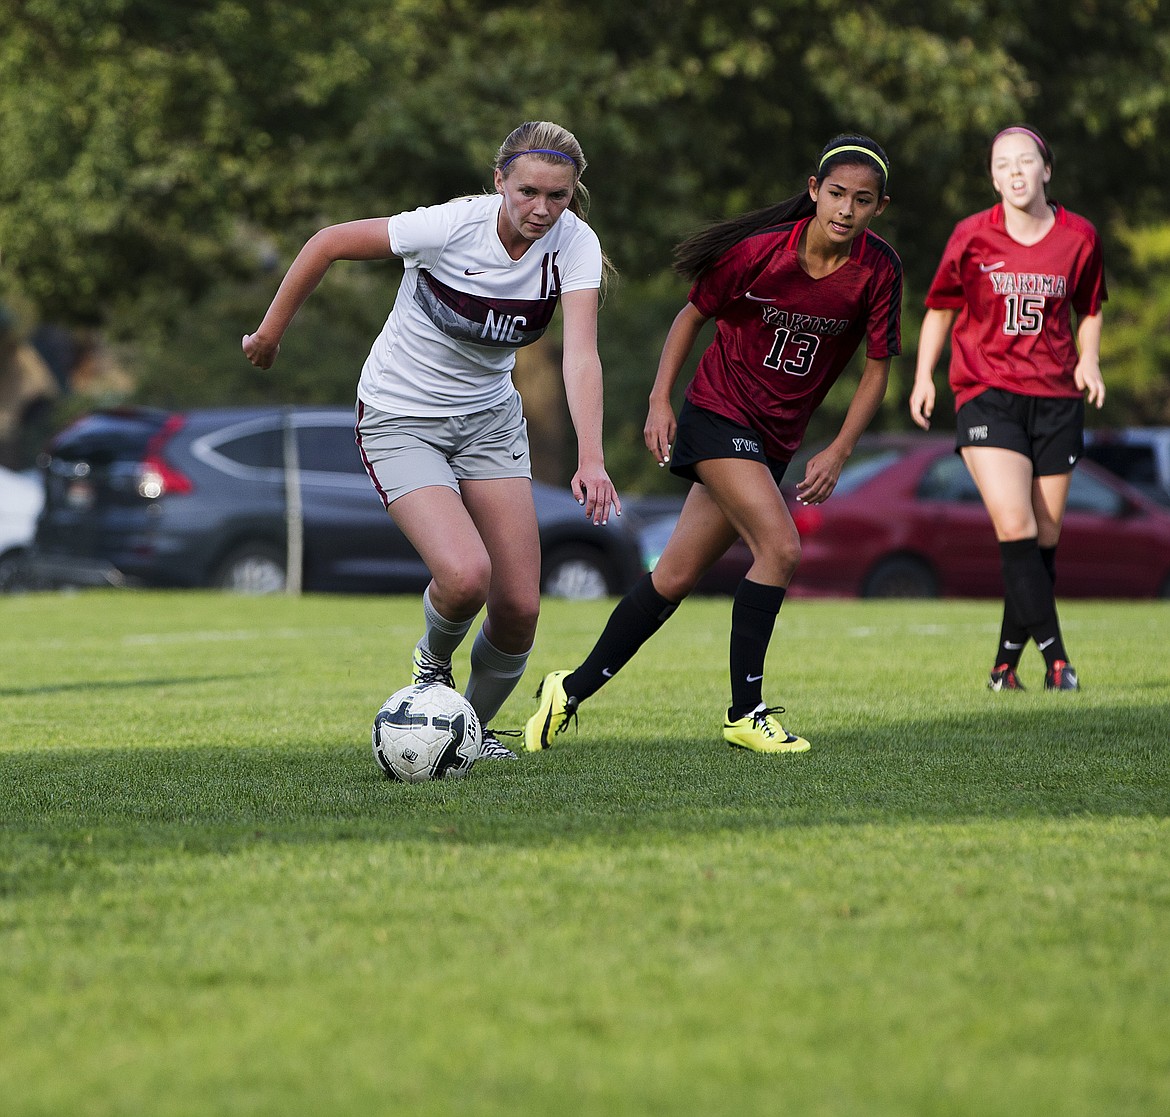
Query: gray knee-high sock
<point x="494" y="675"/>
<point x="441" y="637"/>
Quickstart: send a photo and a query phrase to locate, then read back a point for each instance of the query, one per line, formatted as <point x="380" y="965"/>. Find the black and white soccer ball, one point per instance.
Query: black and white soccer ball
<point x="425" y="732"/>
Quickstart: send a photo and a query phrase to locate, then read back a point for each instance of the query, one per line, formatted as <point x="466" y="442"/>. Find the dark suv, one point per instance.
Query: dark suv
<point x="138" y="496"/>
<point x="1139" y="455"/>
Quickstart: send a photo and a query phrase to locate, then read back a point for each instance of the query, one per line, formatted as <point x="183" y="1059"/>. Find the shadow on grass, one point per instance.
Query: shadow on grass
<point x="74" y="804"/>
<point x="91" y="686"/>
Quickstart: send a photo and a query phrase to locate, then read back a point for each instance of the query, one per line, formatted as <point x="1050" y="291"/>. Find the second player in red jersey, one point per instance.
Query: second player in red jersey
<point x="1013" y="329"/>
<point x="794" y="290"/>
<point x="1010" y="280"/>
<point x="783" y="336"/>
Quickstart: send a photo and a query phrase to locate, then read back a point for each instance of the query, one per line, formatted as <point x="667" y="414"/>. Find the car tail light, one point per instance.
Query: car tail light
<point x="808" y="519"/>
<point x="155" y="476"/>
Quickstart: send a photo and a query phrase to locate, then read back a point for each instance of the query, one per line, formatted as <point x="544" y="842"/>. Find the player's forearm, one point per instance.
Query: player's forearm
<point x="301" y="280"/>
<point x="871" y="390"/>
<point x="932" y="338"/>
<point x="585" y="397"/>
<point x="1089" y="337"/>
<point x="680" y="340"/>
<point x="367" y="239"/>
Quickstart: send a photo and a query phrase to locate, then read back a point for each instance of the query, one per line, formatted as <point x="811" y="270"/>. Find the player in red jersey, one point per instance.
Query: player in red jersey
<point x="794" y="289"/>
<point x="1009" y="280"/>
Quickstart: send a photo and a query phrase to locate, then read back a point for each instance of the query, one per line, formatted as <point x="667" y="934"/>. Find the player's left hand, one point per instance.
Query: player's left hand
<point x="1091" y="382"/>
<point x="820" y="477"/>
<point x="593" y="489"/>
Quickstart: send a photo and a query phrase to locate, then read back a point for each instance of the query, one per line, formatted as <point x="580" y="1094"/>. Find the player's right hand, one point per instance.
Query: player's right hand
<point x="922" y="403"/>
<point x="261" y="353"/>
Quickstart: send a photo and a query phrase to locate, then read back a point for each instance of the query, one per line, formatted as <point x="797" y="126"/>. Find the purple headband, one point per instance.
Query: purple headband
<point x="538" y="151"/>
<point x="1018" y="130"/>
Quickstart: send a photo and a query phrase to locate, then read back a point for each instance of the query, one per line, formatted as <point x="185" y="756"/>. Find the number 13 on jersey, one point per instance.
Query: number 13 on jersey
<point x="793" y="352"/>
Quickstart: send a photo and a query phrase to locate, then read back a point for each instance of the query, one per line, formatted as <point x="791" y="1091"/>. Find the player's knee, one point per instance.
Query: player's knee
<point x="515" y="614"/>
<point x="464" y="588"/>
<point x="788" y="559"/>
<point x="777" y="561"/>
<point x="794" y="557"/>
<point x="674" y="584"/>
<point x="1008" y="528"/>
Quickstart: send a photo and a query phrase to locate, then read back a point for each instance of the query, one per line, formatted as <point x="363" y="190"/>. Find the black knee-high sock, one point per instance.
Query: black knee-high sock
<point x="640" y="614"/>
<point x="1048" y="557"/>
<point x="1013" y="636"/>
<point x="1049" y="640"/>
<point x="753" y="617"/>
<point x="1029" y="593"/>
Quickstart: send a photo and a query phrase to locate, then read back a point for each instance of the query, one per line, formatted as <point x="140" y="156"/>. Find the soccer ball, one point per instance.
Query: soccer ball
<point x="426" y="732"/>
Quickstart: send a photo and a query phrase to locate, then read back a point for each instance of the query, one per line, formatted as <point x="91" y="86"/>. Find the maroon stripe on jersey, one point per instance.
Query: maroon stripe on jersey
<point x="357" y="433"/>
<point x="483" y="320"/>
<point x="475" y="308"/>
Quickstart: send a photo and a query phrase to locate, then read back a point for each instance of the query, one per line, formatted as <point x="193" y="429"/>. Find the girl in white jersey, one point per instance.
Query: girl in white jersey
<point x="439" y="422"/>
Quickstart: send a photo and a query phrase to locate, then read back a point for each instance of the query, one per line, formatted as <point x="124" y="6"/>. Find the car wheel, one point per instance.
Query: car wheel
<point x="578" y="572"/>
<point x="254" y="568"/>
<point x="901" y="576"/>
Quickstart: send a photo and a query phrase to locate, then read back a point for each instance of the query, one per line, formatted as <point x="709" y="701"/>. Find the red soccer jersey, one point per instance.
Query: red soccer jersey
<point x="1014" y="328"/>
<point x="782" y="337"/>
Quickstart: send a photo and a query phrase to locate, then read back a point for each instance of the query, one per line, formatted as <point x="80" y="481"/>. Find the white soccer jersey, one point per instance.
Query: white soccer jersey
<point x="465" y="306"/>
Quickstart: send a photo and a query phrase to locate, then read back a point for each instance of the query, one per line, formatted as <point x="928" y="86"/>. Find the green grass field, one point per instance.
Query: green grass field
<point x="211" y="902"/>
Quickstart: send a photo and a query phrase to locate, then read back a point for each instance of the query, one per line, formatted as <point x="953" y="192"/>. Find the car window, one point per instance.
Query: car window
<point x="328" y="449"/>
<point x="257" y="448"/>
<point x="1135" y="463"/>
<point x="948" y="479"/>
<point x="858" y="472"/>
<point x="1088" y="494"/>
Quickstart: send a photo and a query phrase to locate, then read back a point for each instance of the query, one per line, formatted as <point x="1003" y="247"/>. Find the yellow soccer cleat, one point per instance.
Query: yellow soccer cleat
<point x="761" y="731"/>
<point x="554" y="713"/>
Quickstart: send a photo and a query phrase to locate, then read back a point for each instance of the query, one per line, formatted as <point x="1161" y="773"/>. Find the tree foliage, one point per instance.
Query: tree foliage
<point x="156" y="157"/>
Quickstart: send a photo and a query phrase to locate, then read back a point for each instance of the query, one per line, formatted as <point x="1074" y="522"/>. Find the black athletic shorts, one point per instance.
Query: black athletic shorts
<point x="703" y="435"/>
<point x="1050" y="433"/>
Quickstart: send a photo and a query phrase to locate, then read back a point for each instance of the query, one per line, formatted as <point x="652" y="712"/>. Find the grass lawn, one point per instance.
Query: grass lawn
<point x="211" y="902"/>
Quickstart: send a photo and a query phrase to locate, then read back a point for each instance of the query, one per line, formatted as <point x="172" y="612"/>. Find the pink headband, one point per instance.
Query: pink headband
<point x="1017" y="130"/>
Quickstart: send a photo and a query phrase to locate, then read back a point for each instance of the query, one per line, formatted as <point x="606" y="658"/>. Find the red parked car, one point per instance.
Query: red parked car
<point x="906" y="521"/>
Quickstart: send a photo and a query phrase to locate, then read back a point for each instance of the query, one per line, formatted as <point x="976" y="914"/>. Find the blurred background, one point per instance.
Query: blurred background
<point x="161" y="163"/>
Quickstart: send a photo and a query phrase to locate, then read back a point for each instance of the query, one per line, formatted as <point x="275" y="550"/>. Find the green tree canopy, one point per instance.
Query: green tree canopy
<point x="154" y="154"/>
<point x="147" y="143"/>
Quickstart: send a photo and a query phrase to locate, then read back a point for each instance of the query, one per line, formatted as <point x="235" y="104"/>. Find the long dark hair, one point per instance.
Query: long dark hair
<point x="700" y="250"/>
